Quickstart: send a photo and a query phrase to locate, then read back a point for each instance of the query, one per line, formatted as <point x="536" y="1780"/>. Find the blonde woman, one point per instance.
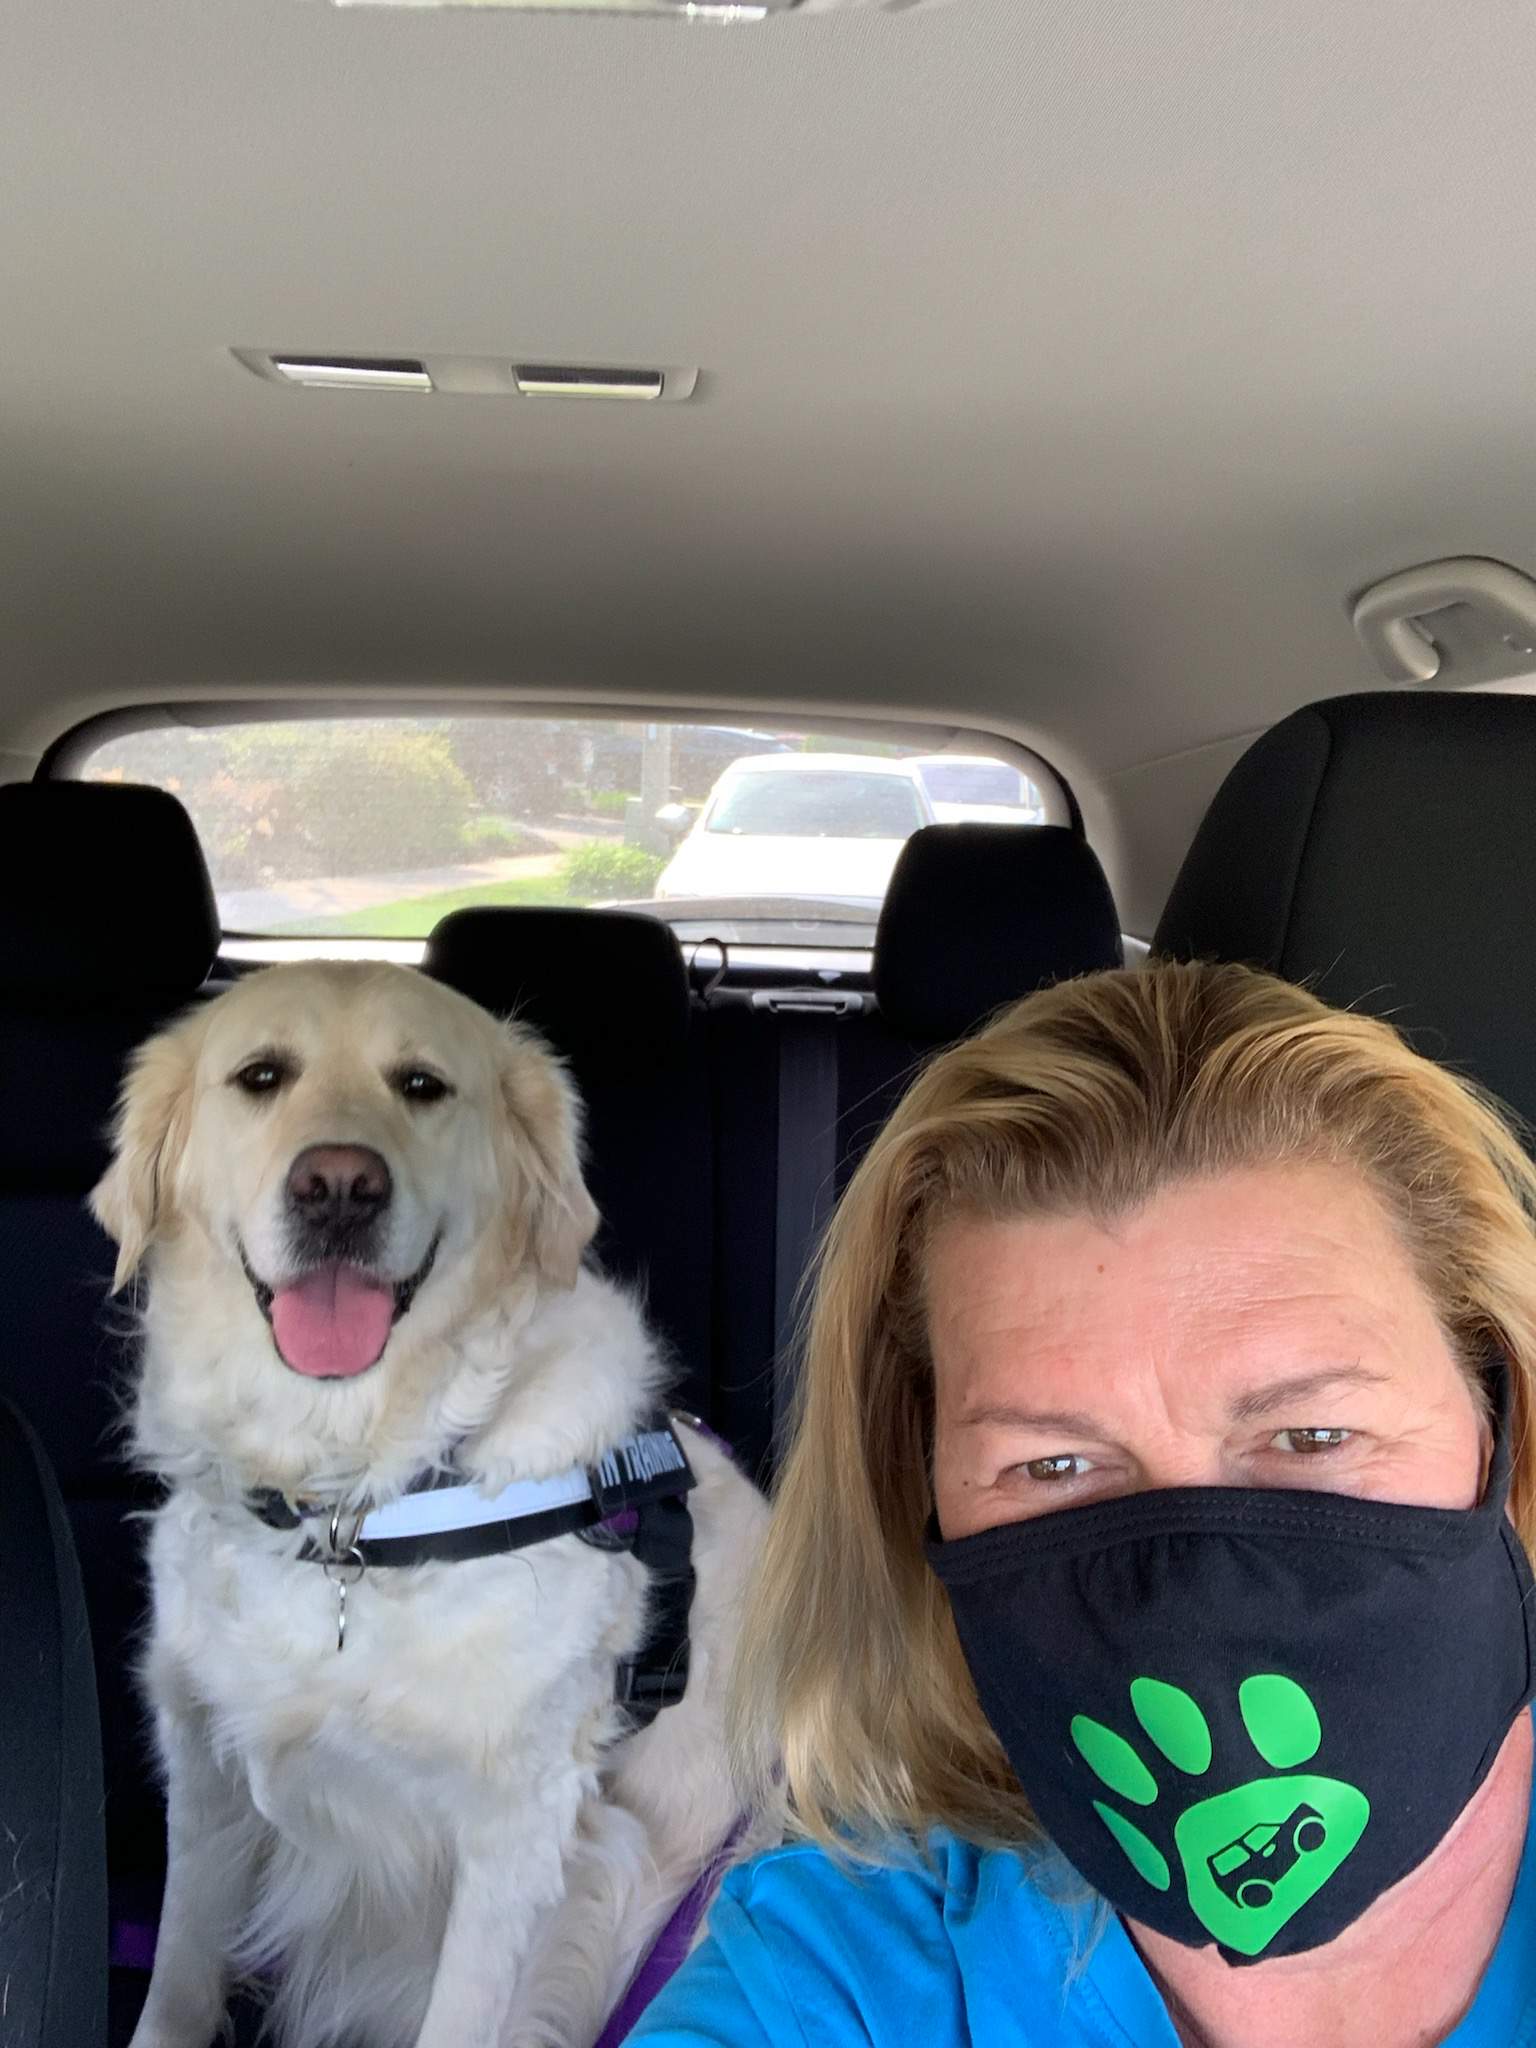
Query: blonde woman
<point x="1146" y="1625"/>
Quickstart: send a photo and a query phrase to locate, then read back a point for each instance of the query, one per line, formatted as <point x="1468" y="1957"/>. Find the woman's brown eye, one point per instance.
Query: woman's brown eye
<point x="1064" y="1465"/>
<point x="1309" y="1442"/>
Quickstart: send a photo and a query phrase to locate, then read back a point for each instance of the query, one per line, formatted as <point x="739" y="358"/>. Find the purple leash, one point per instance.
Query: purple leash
<point x="668" y="1951"/>
<point x="133" y="1944"/>
<point x="671" y="1946"/>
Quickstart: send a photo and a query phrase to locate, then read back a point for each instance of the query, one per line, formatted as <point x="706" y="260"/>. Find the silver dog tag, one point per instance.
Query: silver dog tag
<point x="344" y="1568"/>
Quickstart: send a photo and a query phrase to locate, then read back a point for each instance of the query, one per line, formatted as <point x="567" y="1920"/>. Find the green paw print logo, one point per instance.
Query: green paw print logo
<point x="1252" y="1856"/>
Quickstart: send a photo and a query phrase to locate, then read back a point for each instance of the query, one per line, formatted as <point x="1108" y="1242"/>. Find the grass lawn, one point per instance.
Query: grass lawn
<point x="414" y="916"/>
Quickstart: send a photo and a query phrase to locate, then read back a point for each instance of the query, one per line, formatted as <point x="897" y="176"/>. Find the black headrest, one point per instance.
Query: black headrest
<point x="607" y="988"/>
<point x="104" y="894"/>
<point x="978" y="915"/>
<point x="1380" y="848"/>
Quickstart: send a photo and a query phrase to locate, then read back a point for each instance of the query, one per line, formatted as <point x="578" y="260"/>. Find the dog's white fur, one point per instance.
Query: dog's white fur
<point x="445" y="1835"/>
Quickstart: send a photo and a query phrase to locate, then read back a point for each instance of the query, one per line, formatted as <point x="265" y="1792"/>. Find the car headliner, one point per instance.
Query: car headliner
<point x="1065" y="370"/>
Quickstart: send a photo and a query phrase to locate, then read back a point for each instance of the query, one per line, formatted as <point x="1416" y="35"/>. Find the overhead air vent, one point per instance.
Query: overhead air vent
<point x="353" y="373"/>
<point x="550" y="380"/>
<point x="686" y="10"/>
<point x="471" y="376"/>
<point x="677" y="10"/>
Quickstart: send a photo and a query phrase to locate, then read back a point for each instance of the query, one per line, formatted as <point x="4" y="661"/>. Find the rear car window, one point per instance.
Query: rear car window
<point x="375" y="827"/>
<point x="972" y="782"/>
<point x="835" y="804"/>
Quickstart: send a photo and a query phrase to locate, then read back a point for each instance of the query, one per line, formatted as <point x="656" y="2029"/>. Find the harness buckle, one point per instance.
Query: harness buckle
<point x="645" y="1690"/>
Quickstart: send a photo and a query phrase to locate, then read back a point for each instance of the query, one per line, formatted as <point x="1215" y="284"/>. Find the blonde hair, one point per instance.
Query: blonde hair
<point x="851" y="1695"/>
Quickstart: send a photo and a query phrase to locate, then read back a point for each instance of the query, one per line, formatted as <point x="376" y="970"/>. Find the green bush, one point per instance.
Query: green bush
<point x="607" y="867"/>
<point x="350" y="799"/>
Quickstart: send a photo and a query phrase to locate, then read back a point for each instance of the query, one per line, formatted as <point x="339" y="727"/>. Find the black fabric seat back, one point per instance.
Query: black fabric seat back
<point x="608" y="990"/>
<point x="53" y="1903"/>
<point x="1379" y="849"/>
<point x="108" y="930"/>
<point x="975" y="917"/>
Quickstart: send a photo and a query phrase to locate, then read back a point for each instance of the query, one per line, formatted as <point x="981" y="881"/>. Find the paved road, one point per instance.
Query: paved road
<point x="257" y="910"/>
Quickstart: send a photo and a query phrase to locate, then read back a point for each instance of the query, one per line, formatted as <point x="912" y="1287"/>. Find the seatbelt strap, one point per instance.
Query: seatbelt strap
<point x="807" y="1171"/>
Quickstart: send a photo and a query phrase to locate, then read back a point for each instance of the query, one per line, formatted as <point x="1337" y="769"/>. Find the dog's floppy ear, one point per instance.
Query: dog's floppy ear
<point x="154" y="1114"/>
<point x="544" y="1126"/>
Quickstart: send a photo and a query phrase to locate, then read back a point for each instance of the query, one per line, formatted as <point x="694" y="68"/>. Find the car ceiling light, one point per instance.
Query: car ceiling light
<point x="353" y="373"/>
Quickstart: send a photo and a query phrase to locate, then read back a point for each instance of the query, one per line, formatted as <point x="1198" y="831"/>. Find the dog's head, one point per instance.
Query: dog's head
<point x="338" y="1161"/>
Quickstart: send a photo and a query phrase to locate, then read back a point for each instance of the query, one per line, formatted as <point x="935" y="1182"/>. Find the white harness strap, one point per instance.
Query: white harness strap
<point x="466" y="1507"/>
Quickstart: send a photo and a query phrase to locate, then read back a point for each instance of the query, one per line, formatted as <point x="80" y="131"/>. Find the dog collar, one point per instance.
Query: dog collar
<point x="444" y="1518"/>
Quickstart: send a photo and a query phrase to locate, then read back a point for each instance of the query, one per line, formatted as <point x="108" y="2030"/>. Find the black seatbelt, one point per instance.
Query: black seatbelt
<point x="807" y="1165"/>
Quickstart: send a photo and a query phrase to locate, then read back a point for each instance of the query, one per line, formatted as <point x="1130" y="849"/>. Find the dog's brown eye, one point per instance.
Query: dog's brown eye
<point x="261" y="1077"/>
<point x="417" y="1085"/>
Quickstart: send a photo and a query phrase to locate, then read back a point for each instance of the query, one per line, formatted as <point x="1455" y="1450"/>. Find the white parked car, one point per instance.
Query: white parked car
<point x="977" y="789"/>
<point x="800" y="825"/>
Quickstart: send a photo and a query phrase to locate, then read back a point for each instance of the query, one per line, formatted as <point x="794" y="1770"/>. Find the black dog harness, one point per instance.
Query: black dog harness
<point x="635" y="1499"/>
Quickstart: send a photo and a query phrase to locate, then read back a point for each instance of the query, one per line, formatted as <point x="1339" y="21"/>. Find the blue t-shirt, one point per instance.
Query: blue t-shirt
<point x="968" y="1952"/>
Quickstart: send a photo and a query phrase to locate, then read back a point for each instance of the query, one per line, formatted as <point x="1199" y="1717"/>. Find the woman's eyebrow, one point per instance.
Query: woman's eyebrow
<point x="1251" y="1407"/>
<point x="1262" y="1401"/>
<point x="1006" y="1417"/>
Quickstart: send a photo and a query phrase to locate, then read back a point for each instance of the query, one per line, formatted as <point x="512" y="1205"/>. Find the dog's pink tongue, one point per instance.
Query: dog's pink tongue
<point x="333" y="1323"/>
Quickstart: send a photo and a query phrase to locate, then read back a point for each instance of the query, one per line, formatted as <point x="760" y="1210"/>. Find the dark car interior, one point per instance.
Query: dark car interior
<point x="1074" y="388"/>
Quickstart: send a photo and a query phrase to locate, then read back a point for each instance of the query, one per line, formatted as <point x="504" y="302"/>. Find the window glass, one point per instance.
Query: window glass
<point x="373" y="827"/>
<point x="975" y="782"/>
<point x="806" y="804"/>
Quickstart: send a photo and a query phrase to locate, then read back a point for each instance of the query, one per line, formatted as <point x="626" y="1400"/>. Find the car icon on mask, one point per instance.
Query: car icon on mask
<point x="1249" y="1869"/>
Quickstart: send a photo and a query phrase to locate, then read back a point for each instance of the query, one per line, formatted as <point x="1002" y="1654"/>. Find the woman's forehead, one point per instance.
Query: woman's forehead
<point x="1264" y="1261"/>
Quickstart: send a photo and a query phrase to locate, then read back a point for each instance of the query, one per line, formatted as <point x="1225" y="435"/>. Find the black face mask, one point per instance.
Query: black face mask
<point x="1244" y="1714"/>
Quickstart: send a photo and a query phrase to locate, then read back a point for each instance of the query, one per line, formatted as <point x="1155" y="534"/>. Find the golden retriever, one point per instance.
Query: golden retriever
<point x="358" y="1207"/>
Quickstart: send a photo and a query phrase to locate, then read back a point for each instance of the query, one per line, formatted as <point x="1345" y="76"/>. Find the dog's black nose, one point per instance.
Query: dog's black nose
<point x="332" y="1185"/>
